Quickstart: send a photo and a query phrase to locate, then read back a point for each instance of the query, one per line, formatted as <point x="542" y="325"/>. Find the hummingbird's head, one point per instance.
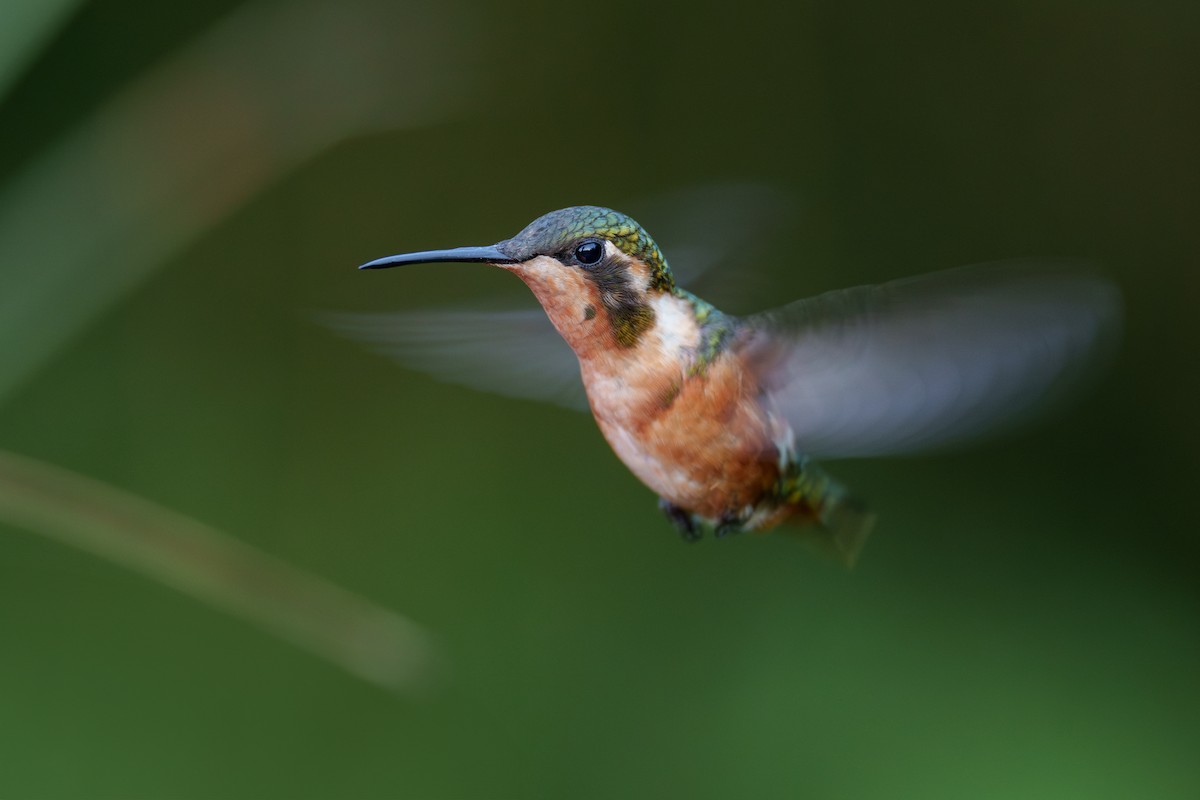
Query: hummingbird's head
<point x="596" y="240"/>
<point x="595" y="271"/>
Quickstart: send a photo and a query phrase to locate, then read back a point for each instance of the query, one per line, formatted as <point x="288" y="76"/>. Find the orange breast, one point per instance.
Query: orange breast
<point x="703" y="442"/>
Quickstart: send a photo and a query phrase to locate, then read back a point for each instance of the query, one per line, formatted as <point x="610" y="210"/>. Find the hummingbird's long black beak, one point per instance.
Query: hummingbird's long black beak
<point x="487" y="255"/>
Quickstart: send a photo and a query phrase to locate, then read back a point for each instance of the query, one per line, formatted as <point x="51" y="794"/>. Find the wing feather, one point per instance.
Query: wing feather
<point x="930" y="361"/>
<point x="513" y="352"/>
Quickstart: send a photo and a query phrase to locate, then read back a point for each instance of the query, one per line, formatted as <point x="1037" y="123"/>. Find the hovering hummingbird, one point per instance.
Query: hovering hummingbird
<point x="720" y="415"/>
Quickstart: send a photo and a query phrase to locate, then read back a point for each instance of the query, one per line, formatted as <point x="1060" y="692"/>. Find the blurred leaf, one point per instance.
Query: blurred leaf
<point x="25" y="25"/>
<point x="366" y="640"/>
<point x="189" y="143"/>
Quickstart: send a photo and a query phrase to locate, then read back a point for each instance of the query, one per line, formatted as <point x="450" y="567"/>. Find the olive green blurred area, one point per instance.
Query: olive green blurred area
<point x="185" y="187"/>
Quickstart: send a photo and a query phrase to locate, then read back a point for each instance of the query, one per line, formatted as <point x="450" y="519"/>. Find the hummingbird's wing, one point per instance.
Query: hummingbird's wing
<point x="514" y="352"/>
<point x="711" y="231"/>
<point x="929" y="361"/>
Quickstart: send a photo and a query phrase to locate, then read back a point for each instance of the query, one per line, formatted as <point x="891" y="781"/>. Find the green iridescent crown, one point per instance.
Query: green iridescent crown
<point x="558" y="232"/>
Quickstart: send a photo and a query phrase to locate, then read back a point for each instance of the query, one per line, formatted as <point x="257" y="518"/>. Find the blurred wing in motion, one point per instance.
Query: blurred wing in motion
<point x="710" y="232"/>
<point x="930" y="361"/>
<point x="514" y="352"/>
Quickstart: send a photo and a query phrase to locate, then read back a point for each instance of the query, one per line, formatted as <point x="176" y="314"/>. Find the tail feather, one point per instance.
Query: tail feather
<point x="828" y="518"/>
<point x="844" y="529"/>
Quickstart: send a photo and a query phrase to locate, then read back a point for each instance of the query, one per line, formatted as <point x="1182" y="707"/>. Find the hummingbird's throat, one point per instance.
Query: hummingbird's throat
<point x="593" y="310"/>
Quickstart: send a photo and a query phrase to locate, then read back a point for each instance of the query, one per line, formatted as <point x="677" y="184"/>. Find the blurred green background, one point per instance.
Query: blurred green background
<point x="182" y="185"/>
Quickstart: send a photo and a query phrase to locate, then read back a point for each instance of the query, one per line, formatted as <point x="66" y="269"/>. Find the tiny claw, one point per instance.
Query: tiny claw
<point x="727" y="529"/>
<point x="680" y="519"/>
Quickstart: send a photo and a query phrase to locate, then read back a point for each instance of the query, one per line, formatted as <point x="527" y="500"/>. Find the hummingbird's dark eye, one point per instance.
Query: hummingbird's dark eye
<point x="589" y="252"/>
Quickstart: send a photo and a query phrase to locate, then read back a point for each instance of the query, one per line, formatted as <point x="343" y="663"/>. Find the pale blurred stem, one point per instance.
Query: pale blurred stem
<point x="370" y="642"/>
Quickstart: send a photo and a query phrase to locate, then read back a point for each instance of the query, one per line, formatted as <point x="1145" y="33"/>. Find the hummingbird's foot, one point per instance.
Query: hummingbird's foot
<point x="681" y="519"/>
<point x="728" y="524"/>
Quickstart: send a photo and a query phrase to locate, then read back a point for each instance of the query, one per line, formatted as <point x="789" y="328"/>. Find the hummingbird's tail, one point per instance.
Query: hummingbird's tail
<point x="842" y="530"/>
<point x="827" y="517"/>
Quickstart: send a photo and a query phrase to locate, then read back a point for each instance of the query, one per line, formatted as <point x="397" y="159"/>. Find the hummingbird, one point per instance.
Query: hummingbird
<point x="723" y="416"/>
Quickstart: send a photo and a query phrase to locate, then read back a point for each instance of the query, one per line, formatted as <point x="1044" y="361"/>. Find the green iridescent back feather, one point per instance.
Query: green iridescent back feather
<point x="716" y="330"/>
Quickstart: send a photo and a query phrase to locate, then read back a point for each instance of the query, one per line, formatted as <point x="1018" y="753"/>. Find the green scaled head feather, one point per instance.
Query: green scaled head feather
<point x="557" y="233"/>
